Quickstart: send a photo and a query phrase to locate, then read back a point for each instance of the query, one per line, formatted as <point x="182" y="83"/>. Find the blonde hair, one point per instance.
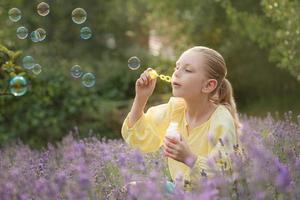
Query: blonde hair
<point x="216" y="69"/>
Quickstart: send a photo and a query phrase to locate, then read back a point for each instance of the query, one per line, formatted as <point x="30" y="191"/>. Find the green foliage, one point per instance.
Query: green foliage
<point x="56" y="102"/>
<point x="8" y="68"/>
<point x="275" y="28"/>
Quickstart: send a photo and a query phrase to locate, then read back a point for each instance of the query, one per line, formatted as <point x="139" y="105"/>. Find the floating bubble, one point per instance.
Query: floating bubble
<point x="85" y="33"/>
<point x="38" y="35"/>
<point x="14" y="14"/>
<point x="134" y="63"/>
<point x="34" y="36"/>
<point x="28" y="62"/>
<point x="79" y="15"/>
<point x="88" y="80"/>
<point x="41" y="34"/>
<point x="76" y="71"/>
<point x="37" y="69"/>
<point x="18" y="86"/>
<point x="22" y="32"/>
<point x="43" y="9"/>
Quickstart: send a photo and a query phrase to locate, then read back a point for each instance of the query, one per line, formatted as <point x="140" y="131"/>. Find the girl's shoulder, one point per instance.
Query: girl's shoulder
<point x="222" y="116"/>
<point x="222" y="126"/>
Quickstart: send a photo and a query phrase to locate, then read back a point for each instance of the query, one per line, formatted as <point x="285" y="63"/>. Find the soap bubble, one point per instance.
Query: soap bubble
<point x="134" y="63"/>
<point x="14" y="14"/>
<point x="88" y="80"/>
<point x="37" y="69"/>
<point x="38" y="35"/>
<point x="43" y="9"/>
<point x="22" y="32"/>
<point x="41" y="34"/>
<point x="85" y="33"/>
<point x="79" y="15"/>
<point x="18" y="86"/>
<point x="34" y="36"/>
<point x="28" y="62"/>
<point x="76" y="71"/>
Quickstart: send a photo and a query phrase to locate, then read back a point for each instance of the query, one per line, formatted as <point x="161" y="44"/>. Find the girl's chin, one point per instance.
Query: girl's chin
<point x="176" y="93"/>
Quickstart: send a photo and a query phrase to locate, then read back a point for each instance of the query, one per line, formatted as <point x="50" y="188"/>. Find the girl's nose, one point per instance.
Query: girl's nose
<point x="176" y="73"/>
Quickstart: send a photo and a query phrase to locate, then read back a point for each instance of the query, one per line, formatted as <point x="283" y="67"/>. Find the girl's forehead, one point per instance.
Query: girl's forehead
<point x="190" y="58"/>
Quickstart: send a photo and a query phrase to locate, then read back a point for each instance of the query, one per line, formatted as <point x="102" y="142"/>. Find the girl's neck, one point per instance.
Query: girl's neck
<point x="199" y="109"/>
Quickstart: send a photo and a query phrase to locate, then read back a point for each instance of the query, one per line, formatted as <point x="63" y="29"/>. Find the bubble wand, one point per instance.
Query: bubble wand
<point x="153" y="74"/>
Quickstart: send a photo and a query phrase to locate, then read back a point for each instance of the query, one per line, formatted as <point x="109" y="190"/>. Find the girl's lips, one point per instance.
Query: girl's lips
<point x="176" y="84"/>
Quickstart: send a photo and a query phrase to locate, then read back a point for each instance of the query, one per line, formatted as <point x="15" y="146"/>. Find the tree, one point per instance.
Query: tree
<point x="275" y="28"/>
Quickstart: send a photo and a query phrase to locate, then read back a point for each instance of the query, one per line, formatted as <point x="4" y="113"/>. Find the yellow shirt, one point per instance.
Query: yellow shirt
<point x="148" y="132"/>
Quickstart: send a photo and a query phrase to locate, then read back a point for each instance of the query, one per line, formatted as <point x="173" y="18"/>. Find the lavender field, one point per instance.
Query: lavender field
<point x="91" y="168"/>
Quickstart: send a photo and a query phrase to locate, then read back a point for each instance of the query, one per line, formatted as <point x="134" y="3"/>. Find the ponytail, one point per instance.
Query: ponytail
<point x="225" y="97"/>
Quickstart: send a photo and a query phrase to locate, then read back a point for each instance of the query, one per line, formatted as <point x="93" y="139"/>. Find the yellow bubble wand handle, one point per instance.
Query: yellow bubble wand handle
<point x="153" y="74"/>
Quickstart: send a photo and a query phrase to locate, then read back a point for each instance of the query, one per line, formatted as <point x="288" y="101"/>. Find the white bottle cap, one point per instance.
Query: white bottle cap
<point x="172" y="131"/>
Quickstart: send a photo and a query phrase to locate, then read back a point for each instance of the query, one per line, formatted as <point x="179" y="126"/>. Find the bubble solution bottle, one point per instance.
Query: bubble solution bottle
<point x="172" y="131"/>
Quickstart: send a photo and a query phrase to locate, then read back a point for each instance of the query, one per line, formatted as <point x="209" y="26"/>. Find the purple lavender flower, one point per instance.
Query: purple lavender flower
<point x="298" y="165"/>
<point x="283" y="179"/>
<point x="122" y="160"/>
<point x="260" y="195"/>
<point x="60" y="179"/>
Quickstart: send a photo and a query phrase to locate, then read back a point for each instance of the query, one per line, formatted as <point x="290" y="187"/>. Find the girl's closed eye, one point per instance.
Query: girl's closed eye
<point x="186" y="69"/>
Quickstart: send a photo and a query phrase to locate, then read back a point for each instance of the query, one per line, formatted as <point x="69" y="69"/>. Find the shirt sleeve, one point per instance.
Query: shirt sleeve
<point x="222" y="139"/>
<point x="149" y="130"/>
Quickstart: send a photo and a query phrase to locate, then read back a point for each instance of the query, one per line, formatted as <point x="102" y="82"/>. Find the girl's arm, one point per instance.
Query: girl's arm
<point x="145" y="131"/>
<point x="137" y="110"/>
<point x="148" y="131"/>
<point x="144" y="88"/>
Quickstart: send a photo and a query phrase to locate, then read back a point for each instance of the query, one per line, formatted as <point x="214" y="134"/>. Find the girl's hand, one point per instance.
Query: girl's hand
<point x="179" y="150"/>
<point x="144" y="86"/>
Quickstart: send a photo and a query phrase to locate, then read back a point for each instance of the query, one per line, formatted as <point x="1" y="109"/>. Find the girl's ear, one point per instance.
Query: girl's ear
<point x="210" y="85"/>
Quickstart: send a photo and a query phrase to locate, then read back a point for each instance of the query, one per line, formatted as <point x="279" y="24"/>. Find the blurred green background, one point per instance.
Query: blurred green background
<point x="259" y="40"/>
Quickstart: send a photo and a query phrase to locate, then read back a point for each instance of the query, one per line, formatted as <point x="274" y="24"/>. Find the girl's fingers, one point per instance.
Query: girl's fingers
<point x="171" y="146"/>
<point x="170" y="155"/>
<point x="168" y="151"/>
<point x="145" y="80"/>
<point x="140" y="82"/>
<point x="172" y="140"/>
<point x="147" y="75"/>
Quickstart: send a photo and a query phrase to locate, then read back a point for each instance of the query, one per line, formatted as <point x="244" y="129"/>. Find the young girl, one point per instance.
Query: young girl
<point x="204" y="108"/>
